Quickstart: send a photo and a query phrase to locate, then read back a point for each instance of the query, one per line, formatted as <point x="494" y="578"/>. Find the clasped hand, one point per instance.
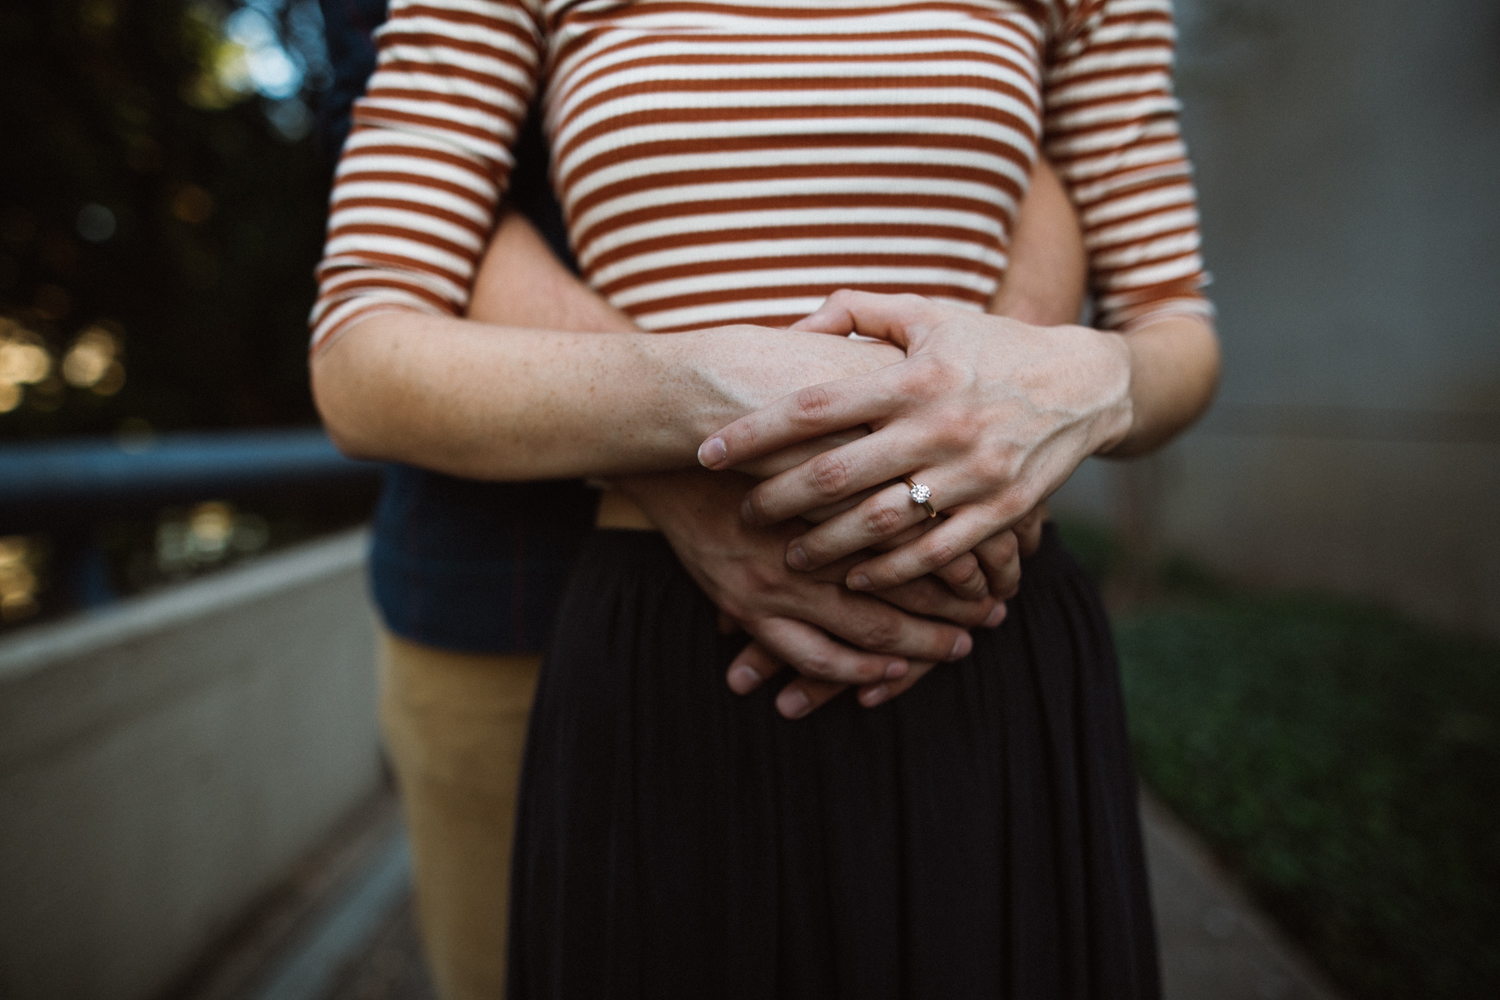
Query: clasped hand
<point x="991" y="414"/>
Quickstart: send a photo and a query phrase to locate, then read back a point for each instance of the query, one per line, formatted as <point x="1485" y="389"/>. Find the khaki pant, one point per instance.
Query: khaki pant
<point x="455" y="727"/>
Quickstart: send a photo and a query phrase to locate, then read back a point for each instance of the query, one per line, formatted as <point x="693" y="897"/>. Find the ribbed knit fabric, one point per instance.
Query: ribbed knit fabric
<point x="738" y="161"/>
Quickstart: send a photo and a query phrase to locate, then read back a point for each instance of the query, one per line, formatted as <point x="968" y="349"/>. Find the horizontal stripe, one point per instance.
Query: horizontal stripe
<point x="739" y="160"/>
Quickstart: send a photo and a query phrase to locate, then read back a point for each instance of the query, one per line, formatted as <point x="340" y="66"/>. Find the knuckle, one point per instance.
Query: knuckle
<point x="761" y="510"/>
<point x="937" y="374"/>
<point x="883" y="635"/>
<point x="762" y="581"/>
<point x="819" y="664"/>
<point x="883" y="521"/>
<point x="951" y="429"/>
<point x="830" y="474"/>
<point x="922" y="374"/>
<point x="1012" y="505"/>
<point x="941" y="551"/>
<point x="963" y="568"/>
<point x="812" y="404"/>
<point x="1005" y="547"/>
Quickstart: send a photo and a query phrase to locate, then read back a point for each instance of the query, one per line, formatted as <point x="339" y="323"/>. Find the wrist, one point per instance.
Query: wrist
<point x="1114" y="404"/>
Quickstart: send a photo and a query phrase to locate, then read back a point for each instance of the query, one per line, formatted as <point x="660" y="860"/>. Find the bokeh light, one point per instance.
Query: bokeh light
<point x="93" y="362"/>
<point x="18" y="578"/>
<point x="95" y="222"/>
<point x="24" y="361"/>
<point x="208" y="534"/>
<point x="192" y="204"/>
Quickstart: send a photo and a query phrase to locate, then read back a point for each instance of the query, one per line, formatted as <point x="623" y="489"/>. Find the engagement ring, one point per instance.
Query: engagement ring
<point x="922" y="495"/>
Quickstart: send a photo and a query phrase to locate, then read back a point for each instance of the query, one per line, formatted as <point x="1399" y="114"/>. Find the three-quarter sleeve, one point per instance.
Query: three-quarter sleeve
<point x="428" y="157"/>
<point x="1111" y="131"/>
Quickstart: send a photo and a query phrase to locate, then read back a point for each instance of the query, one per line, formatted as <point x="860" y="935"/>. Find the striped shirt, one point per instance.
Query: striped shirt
<point x="728" y="161"/>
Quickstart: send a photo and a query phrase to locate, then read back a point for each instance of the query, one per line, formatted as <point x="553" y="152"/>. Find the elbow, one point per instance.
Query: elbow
<point x="337" y="396"/>
<point x="1211" y="370"/>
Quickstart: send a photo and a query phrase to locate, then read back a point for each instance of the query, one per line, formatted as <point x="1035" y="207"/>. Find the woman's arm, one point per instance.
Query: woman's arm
<point x="991" y="414"/>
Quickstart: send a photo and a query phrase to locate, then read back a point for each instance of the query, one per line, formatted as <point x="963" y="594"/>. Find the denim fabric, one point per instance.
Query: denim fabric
<point x="347" y="27"/>
<point x="460" y="564"/>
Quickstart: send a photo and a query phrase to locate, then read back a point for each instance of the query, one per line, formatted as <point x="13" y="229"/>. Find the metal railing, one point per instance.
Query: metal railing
<point x="64" y="488"/>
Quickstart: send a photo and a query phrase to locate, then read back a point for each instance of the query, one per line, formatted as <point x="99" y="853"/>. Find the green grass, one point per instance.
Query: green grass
<point x="1345" y="762"/>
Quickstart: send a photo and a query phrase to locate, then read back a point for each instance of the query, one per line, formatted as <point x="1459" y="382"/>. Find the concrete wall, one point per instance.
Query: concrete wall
<point x="164" y="763"/>
<point x="1348" y="160"/>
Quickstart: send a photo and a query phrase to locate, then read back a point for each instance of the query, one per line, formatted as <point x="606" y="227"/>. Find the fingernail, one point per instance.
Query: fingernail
<point x="743" y="679"/>
<point x="997" y="616"/>
<point x="870" y="697"/>
<point x="961" y="647"/>
<point x="792" y="703"/>
<point x="747" y="512"/>
<point x="796" y="558"/>
<point x="896" y="670"/>
<point x="859" y="582"/>
<point x="711" y="453"/>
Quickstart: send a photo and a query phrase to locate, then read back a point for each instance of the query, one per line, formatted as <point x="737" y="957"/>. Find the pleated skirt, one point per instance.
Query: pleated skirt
<point x="977" y="836"/>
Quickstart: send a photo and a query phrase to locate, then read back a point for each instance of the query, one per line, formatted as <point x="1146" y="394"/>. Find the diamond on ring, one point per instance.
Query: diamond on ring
<point x="920" y="494"/>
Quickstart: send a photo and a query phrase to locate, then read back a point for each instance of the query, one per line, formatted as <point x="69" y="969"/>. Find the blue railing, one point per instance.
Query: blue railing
<point x="43" y="482"/>
<point x="65" y="488"/>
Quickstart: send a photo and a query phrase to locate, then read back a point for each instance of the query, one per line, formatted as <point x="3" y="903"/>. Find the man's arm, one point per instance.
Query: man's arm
<point x="499" y="402"/>
<point x="520" y="283"/>
<point x="791" y="614"/>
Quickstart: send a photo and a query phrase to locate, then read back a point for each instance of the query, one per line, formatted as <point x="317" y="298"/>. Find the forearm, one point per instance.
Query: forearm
<point x="1174" y="372"/>
<point x="492" y="402"/>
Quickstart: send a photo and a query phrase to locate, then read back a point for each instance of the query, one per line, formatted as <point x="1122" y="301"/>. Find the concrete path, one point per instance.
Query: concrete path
<point x="1214" y="945"/>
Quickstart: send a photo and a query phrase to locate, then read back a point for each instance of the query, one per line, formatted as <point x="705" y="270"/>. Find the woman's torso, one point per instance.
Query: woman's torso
<point x="737" y="162"/>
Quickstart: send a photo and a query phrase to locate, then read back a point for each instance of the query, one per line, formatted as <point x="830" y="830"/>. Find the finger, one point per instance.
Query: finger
<point x="869" y="314"/>
<point x="1000" y="554"/>
<point x="929" y="597"/>
<point x="875" y="626"/>
<point x="802" y="696"/>
<point x="836" y="474"/>
<point x="915" y="531"/>
<point x="794" y="455"/>
<point x="957" y="574"/>
<point x="883" y="516"/>
<point x="751" y="668"/>
<point x="807" y="413"/>
<point x="1029" y="529"/>
<point x="958" y="534"/>
<point x="813" y="654"/>
<point x="871" y="695"/>
<point x="865" y="621"/>
<point x="965" y="576"/>
<point x="727" y="625"/>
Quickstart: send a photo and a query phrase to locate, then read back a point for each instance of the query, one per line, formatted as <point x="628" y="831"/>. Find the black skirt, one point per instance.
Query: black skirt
<point x="975" y="837"/>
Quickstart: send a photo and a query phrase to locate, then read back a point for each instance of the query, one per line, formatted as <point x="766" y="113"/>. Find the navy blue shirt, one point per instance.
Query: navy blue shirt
<point x="457" y="563"/>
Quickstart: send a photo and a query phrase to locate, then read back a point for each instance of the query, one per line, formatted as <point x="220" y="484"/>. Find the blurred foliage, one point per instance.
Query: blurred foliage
<point x="159" y="184"/>
<point x="1097" y="549"/>
<point x="1344" y="761"/>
